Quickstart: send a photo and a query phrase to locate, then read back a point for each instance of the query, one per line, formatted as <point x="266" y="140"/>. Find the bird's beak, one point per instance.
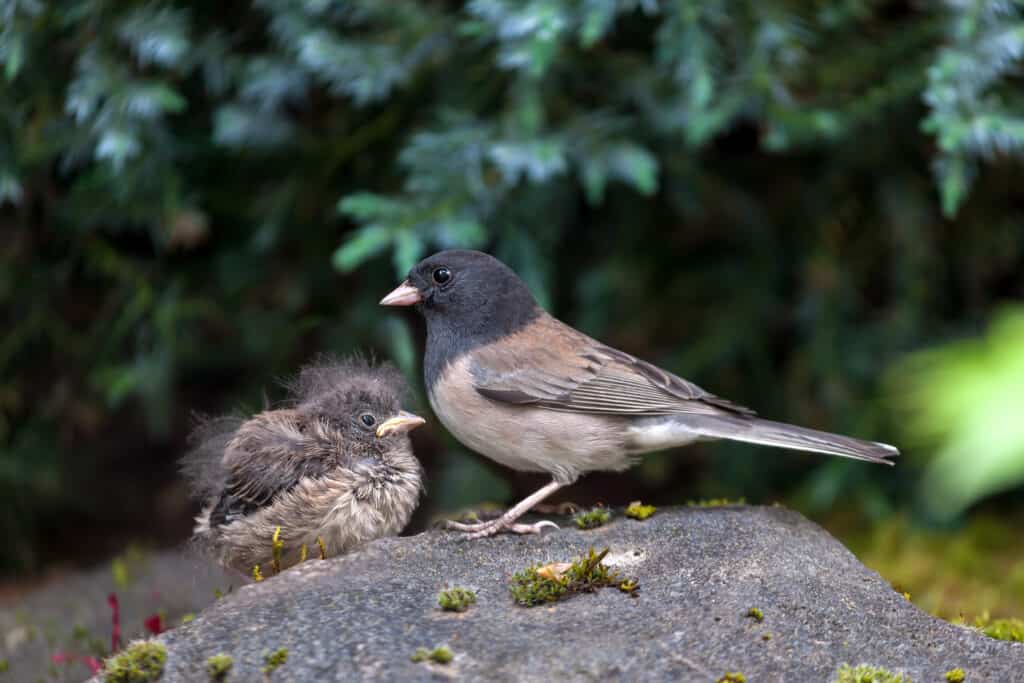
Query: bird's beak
<point x="404" y="294"/>
<point x="401" y="423"/>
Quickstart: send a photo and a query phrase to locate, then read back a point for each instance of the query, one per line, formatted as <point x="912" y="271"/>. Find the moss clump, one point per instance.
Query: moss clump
<point x="592" y="518"/>
<point x="629" y="586"/>
<point x="547" y="583"/>
<point x="276" y="546"/>
<point x="1001" y="629"/>
<point x="187" y="618"/>
<point x="456" y="599"/>
<point x="732" y="677"/>
<point x="756" y="614"/>
<point x="636" y="510"/>
<point x="5" y="666"/>
<point x="257" y="575"/>
<point x="272" y="660"/>
<point x="440" y="654"/>
<point x="867" y="674"/>
<point x="218" y="666"/>
<point x="956" y="675"/>
<point x="715" y="502"/>
<point x="138" y="663"/>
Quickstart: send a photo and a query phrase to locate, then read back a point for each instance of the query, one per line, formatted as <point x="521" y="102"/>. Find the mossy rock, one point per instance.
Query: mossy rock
<point x="700" y="570"/>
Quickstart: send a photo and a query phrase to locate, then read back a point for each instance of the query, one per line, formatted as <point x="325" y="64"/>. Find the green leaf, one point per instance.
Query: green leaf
<point x="409" y="249"/>
<point x="637" y="166"/>
<point x="13" y="52"/>
<point x="10" y="188"/>
<point x="462" y="233"/>
<point x="955" y="175"/>
<point x="965" y="401"/>
<point x="598" y="16"/>
<point x="363" y="245"/>
<point x="367" y="206"/>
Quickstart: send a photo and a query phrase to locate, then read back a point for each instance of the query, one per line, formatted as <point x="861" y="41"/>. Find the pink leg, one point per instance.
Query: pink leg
<point x="507" y="522"/>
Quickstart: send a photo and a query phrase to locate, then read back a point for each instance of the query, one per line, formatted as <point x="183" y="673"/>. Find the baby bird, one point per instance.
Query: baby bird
<point x="335" y="464"/>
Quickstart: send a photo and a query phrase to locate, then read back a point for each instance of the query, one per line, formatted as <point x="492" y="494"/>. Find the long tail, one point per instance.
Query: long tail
<point x="768" y="433"/>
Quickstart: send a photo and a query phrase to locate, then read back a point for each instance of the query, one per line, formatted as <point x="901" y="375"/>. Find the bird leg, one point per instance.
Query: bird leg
<point x="507" y="522"/>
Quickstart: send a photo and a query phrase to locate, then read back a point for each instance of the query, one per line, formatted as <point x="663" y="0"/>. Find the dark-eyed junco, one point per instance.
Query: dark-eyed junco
<point x="335" y="464"/>
<point x="524" y="389"/>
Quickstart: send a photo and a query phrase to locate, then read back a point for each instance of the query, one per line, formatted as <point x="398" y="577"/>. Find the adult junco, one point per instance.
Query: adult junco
<point x="524" y="389"/>
<point x="335" y="464"/>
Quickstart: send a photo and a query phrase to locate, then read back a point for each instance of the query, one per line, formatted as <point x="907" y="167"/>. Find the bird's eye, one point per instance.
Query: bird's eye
<point x="367" y="419"/>
<point x="442" y="275"/>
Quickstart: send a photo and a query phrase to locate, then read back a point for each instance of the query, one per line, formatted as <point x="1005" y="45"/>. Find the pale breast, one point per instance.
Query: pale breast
<point x="527" y="438"/>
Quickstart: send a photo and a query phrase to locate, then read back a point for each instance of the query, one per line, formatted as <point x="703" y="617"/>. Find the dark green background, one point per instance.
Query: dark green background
<point x="775" y="199"/>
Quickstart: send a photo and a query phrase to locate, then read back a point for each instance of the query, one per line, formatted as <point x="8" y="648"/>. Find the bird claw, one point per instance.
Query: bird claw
<point x="485" y="529"/>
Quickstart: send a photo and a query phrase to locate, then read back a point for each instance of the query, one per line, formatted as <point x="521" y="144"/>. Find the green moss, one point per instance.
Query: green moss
<point x="956" y="675"/>
<point x="977" y="567"/>
<point x="119" y="570"/>
<point x="592" y="518"/>
<point x="715" y="502"/>
<point x="138" y="663"/>
<point x="440" y="655"/>
<point x="272" y="660"/>
<point x="5" y="666"/>
<point x="867" y="674"/>
<point x="547" y="583"/>
<point x="187" y="618"/>
<point x="218" y="666"/>
<point x="756" y="614"/>
<point x="732" y="677"/>
<point x="456" y="599"/>
<point x="257" y="575"/>
<point x="1001" y="629"/>
<point x="128" y="565"/>
<point x="276" y="546"/>
<point x="636" y="510"/>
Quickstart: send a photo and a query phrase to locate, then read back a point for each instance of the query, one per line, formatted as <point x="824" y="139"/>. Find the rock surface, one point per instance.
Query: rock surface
<point x="361" y="617"/>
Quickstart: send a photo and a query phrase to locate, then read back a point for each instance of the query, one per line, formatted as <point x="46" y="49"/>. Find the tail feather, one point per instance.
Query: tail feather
<point x="768" y="433"/>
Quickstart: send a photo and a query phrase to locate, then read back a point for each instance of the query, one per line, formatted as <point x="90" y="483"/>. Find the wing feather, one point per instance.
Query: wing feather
<point x="556" y="367"/>
<point x="269" y="455"/>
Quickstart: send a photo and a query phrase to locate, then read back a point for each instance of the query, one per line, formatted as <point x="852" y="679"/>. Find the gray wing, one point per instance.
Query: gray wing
<point x="269" y="455"/>
<point x="556" y="367"/>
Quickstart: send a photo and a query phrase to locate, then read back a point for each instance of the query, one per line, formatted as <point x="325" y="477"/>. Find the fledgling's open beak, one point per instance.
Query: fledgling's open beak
<point x="401" y="423"/>
<point x="404" y="294"/>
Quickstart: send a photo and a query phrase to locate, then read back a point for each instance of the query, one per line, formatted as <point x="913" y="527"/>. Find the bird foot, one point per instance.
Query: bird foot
<point x="496" y="526"/>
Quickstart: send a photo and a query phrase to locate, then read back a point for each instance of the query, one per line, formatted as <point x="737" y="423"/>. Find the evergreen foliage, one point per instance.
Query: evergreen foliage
<point x="196" y="196"/>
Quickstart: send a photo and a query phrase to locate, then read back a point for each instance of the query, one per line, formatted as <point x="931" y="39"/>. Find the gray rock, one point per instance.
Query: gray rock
<point x="362" y="616"/>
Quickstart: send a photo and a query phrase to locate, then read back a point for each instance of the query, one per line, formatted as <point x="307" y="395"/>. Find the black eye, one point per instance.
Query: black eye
<point x="367" y="419"/>
<point x="442" y="275"/>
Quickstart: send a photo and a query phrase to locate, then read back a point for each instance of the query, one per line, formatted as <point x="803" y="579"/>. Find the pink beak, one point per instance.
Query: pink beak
<point x="402" y="295"/>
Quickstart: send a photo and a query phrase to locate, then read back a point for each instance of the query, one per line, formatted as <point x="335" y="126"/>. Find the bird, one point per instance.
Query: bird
<point x="330" y="469"/>
<point x="519" y="386"/>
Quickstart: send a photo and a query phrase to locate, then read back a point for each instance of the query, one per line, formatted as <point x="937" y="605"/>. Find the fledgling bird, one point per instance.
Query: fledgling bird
<point x="525" y="389"/>
<point x="334" y="464"/>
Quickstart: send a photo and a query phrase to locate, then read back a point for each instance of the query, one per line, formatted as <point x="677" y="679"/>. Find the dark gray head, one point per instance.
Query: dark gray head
<point x="355" y="397"/>
<point x="468" y="298"/>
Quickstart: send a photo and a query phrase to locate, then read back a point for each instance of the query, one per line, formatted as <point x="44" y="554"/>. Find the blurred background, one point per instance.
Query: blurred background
<point x="813" y="208"/>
